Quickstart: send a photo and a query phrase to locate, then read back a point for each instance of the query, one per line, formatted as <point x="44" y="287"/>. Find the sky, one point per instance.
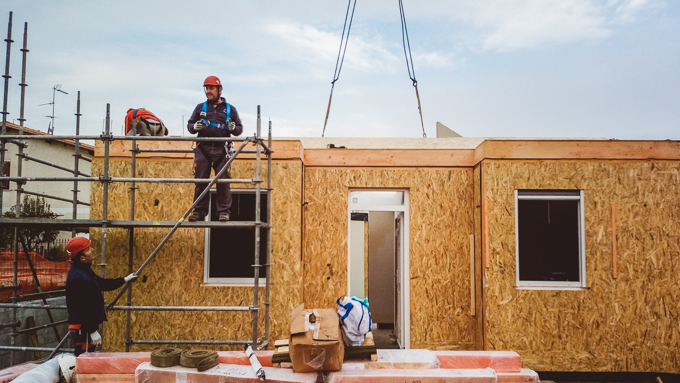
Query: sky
<point x="496" y="68"/>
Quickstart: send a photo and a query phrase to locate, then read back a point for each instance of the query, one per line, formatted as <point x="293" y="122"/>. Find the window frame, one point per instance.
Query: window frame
<point x="8" y="165"/>
<point x="231" y="282"/>
<point x="553" y="195"/>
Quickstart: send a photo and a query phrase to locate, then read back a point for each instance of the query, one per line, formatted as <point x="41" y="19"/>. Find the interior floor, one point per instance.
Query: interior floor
<point x="384" y="338"/>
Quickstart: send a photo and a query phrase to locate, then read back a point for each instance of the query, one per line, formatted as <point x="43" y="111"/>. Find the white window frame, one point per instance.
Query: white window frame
<point x="228" y="282"/>
<point x="553" y="195"/>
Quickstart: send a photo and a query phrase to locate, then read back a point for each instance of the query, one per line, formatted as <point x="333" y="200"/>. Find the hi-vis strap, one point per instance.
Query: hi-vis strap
<point x="204" y="111"/>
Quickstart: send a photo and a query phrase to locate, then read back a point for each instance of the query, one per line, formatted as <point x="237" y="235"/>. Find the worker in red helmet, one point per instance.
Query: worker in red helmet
<point x="84" y="299"/>
<point x="213" y="118"/>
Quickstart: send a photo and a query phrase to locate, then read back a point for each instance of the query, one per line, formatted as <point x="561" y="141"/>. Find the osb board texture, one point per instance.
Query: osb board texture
<point x="175" y="276"/>
<point x="625" y="324"/>
<point x="440" y="222"/>
<point x="479" y="299"/>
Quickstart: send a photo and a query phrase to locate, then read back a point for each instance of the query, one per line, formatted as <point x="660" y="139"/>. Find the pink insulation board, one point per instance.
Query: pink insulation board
<point x="11" y="373"/>
<point x="524" y="376"/>
<point x="405" y="359"/>
<point x="110" y="362"/>
<point x="485" y="375"/>
<point x="501" y="361"/>
<point x="146" y="373"/>
<point x="106" y="378"/>
<point x="127" y="362"/>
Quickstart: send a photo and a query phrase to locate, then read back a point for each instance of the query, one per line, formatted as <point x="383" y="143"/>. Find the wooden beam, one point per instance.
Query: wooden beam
<point x="389" y="157"/>
<point x="472" y="274"/>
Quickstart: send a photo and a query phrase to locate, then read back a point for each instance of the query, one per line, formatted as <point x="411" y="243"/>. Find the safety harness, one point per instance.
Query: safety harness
<point x="204" y="112"/>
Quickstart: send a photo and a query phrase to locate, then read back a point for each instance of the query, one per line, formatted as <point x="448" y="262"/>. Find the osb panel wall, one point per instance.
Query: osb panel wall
<point x="441" y="221"/>
<point x="624" y="324"/>
<point x="175" y="277"/>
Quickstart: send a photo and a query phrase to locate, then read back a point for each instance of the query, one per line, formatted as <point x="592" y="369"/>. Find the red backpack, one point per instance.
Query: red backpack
<point x="143" y="123"/>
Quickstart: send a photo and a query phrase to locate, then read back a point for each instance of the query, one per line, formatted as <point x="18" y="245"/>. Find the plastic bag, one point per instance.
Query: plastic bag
<point x="356" y="320"/>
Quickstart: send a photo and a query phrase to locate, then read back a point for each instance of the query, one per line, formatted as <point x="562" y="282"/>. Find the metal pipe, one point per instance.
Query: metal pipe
<point x="179" y="151"/>
<point x="56" y="349"/>
<point x="55" y="293"/>
<point x="32" y="349"/>
<point x="23" y="84"/>
<point x="38" y="307"/>
<point x="23" y="331"/>
<point x="8" y="325"/>
<point x="131" y="243"/>
<point x="256" y="265"/>
<point x="174" y="228"/>
<point x="4" y="104"/>
<point x="181" y="308"/>
<point x="86" y="159"/>
<point x="129" y="138"/>
<point x="76" y="163"/>
<point x="212" y="342"/>
<point x="269" y="238"/>
<point x="105" y="183"/>
<point x="124" y="179"/>
<point x="52" y="197"/>
<point x="76" y="173"/>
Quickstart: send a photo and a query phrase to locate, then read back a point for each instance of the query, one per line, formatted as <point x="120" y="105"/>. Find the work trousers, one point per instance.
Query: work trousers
<point x="216" y="159"/>
<point x="81" y="341"/>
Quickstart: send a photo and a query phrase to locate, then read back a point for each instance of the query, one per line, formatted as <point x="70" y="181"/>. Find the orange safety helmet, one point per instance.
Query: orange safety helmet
<point x="76" y="245"/>
<point x="212" y="80"/>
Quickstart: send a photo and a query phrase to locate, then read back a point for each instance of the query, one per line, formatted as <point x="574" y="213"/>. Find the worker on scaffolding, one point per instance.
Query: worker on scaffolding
<point x="84" y="299"/>
<point x="213" y="118"/>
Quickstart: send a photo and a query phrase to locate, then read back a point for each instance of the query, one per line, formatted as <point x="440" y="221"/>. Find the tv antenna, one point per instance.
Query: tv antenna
<point x="55" y="89"/>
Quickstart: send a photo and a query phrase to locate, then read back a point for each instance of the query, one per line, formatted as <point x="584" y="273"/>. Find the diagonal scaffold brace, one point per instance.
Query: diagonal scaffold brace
<point x="174" y="228"/>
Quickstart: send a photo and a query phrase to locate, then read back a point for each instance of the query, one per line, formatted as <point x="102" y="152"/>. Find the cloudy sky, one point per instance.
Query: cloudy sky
<point x="500" y="68"/>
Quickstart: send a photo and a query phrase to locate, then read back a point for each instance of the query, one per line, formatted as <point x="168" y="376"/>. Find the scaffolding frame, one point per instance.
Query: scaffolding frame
<point x="261" y="148"/>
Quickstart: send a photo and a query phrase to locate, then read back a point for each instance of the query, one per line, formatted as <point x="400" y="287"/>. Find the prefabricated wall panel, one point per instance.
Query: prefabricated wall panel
<point x="440" y="222"/>
<point x="624" y="324"/>
<point x="175" y="276"/>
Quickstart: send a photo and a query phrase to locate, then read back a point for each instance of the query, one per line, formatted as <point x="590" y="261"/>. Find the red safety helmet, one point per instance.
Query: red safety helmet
<point x="212" y="80"/>
<point x="76" y="245"/>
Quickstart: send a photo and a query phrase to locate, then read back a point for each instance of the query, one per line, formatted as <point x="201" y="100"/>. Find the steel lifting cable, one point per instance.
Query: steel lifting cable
<point x="409" y="61"/>
<point x="340" y="60"/>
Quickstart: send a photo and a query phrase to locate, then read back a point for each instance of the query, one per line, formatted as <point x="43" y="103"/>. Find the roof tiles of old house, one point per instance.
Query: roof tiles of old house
<point x="35" y="132"/>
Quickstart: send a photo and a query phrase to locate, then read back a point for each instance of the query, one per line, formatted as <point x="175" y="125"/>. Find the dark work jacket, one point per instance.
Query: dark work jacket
<point x="215" y="113"/>
<point x="84" y="298"/>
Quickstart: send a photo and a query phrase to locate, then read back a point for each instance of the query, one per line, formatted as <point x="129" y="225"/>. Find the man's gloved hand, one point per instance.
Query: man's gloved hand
<point x="198" y="125"/>
<point x="130" y="277"/>
<point x="96" y="338"/>
<point x="232" y="126"/>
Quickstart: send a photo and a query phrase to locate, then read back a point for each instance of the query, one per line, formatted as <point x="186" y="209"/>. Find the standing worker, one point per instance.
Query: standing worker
<point x="213" y="118"/>
<point x="84" y="299"/>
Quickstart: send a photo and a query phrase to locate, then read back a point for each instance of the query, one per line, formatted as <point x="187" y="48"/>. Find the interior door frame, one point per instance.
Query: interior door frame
<point x="405" y="303"/>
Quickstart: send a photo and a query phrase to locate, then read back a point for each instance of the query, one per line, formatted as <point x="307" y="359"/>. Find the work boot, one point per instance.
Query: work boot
<point x="196" y="217"/>
<point x="224" y="217"/>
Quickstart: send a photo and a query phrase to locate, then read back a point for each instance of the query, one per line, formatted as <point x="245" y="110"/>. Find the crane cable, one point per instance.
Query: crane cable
<point x="339" y="61"/>
<point x="409" y="61"/>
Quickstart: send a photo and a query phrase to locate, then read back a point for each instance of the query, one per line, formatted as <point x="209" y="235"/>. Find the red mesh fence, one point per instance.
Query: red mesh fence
<point x="52" y="275"/>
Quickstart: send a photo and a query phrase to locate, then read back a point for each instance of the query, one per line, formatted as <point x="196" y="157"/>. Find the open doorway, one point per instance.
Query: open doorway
<point x="378" y="261"/>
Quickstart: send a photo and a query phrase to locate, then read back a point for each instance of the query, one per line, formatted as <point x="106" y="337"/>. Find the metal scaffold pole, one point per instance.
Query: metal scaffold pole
<point x="131" y="243"/>
<point x="105" y="179"/>
<point x="256" y="265"/>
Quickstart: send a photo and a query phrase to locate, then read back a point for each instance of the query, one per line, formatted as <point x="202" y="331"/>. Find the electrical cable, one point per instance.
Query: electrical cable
<point x="340" y="59"/>
<point x="409" y="61"/>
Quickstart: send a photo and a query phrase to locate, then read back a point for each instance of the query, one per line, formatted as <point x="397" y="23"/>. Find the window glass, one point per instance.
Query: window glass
<point x="232" y="249"/>
<point x="377" y="198"/>
<point x="550" y="250"/>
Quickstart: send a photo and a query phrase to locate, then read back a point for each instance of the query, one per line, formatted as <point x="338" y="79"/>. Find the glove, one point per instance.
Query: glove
<point x="130" y="277"/>
<point x="198" y="125"/>
<point x="232" y="126"/>
<point x="96" y="338"/>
